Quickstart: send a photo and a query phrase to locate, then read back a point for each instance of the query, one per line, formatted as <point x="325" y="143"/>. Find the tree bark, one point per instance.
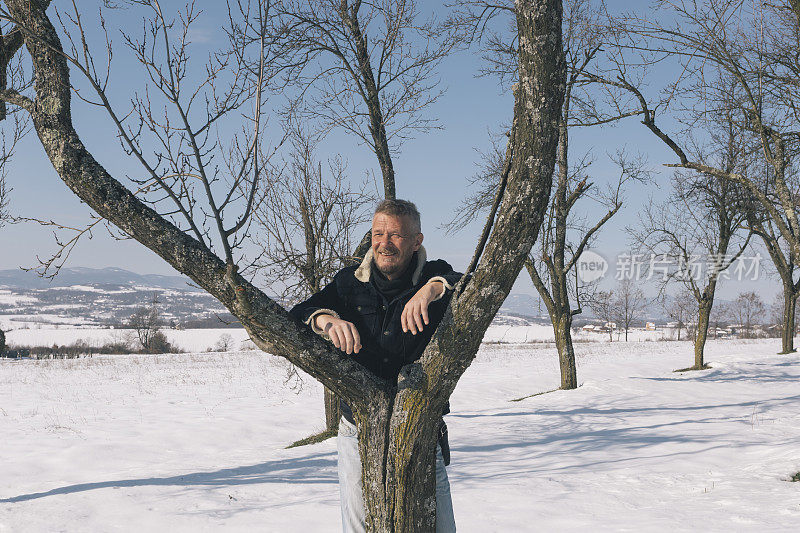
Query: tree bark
<point x="703" y="315"/>
<point x="333" y="411"/>
<point x="397" y="422"/>
<point x="789" y="306"/>
<point x="377" y="127"/>
<point x="562" y="327"/>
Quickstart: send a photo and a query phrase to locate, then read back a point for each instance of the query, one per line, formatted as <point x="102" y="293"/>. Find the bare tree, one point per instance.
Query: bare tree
<point x="566" y="234"/>
<point x="720" y="315"/>
<point x="603" y="306"/>
<point x="146" y="323"/>
<point x="736" y="57"/>
<point x="693" y="236"/>
<point x="629" y="304"/>
<point x="681" y="308"/>
<point x="786" y="266"/>
<point x="397" y="422"/>
<point x="306" y="224"/>
<point x="749" y="307"/>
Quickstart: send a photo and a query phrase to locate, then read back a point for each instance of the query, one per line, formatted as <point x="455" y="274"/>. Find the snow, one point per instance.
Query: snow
<point x="46" y="321"/>
<point x="196" y="442"/>
<point x="8" y="298"/>
<point x="190" y="340"/>
<point x="84" y="288"/>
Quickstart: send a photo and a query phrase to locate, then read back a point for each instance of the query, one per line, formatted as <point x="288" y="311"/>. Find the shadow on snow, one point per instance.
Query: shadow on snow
<point x="310" y="469"/>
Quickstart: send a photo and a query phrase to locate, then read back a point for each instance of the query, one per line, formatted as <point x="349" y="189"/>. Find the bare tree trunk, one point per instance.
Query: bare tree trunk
<point x="377" y="127"/>
<point x="333" y="411"/>
<point x="704" y="312"/>
<point x="562" y="327"/>
<point x="789" y="305"/>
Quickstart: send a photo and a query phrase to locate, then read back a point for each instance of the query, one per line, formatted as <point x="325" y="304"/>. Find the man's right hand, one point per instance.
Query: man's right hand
<point x="343" y="334"/>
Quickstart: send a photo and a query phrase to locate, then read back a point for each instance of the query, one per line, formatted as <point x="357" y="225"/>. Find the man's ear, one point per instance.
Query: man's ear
<point x="418" y="243"/>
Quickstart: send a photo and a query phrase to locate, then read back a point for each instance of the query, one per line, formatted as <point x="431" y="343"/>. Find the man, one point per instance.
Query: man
<point x="384" y="313"/>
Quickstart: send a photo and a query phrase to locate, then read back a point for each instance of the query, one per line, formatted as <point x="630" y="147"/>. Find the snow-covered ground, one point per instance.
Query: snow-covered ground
<point x="199" y="340"/>
<point x="189" y="340"/>
<point x="195" y="442"/>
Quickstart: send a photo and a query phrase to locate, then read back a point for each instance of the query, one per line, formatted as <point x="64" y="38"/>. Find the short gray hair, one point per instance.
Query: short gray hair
<point x="400" y="208"/>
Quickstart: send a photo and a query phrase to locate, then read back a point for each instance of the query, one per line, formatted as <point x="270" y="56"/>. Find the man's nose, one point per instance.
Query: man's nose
<point x="382" y="239"/>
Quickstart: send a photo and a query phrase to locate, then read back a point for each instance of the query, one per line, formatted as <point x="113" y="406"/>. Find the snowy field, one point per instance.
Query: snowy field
<point x="195" y="442"/>
<point x="189" y="340"/>
<point x="200" y="340"/>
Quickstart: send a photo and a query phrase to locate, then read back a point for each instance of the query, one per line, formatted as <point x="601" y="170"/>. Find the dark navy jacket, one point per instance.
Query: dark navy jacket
<point x="352" y="295"/>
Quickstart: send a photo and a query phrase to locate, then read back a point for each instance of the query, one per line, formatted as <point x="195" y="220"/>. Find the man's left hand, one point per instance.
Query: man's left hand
<point x="415" y="313"/>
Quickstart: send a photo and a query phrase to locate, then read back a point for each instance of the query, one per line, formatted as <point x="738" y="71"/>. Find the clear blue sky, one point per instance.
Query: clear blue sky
<point x="431" y="169"/>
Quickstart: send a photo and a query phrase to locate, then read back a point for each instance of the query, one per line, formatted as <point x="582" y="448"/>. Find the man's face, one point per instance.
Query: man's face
<point x="394" y="241"/>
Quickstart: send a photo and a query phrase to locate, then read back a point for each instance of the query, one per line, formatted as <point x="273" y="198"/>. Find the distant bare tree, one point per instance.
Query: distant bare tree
<point x="749" y="308"/>
<point x="146" y="323"/>
<point x="629" y="304"/>
<point x="720" y="316"/>
<point x="306" y="227"/>
<point x="603" y="306"/>
<point x="752" y="47"/>
<point x="694" y="236"/>
<point x="307" y="222"/>
<point x="681" y="308"/>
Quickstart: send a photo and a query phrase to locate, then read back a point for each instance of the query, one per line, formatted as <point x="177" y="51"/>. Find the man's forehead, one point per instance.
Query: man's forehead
<point x="385" y="220"/>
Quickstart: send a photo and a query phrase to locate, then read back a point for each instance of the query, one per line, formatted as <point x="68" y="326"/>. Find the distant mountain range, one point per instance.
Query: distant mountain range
<point x="20" y="279"/>
<point x="104" y="297"/>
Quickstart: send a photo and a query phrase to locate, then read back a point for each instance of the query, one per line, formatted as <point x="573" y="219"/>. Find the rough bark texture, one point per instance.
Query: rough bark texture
<point x="556" y="301"/>
<point x="562" y="327"/>
<point x="790" y="294"/>
<point x="333" y="411"/>
<point x="397" y="423"/>
<point x="702" y="332"/>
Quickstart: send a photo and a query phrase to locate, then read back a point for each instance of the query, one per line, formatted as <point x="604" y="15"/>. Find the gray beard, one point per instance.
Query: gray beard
<point x="391" y="271"/>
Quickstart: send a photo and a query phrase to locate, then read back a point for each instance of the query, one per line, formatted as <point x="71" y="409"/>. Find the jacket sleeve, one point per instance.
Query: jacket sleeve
<point x="326" y="301"/>
<point x="442" y="271"/>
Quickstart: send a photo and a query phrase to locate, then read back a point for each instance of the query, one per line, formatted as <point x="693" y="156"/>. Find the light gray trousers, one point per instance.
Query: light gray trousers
<point x="351" y="495"/>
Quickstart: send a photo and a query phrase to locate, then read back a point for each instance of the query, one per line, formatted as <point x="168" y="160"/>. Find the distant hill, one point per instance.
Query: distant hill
<point x="104" y="297"/>
<point x="523" y="305"/>
<point x="20" y="279"/>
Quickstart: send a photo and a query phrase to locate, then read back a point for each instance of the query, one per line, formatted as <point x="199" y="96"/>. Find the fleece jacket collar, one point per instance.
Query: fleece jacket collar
<point x="365" y="269"/>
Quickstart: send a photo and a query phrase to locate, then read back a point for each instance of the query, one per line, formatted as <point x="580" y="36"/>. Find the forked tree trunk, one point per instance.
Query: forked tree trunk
<point x="789" y="307"/>
<point x="562" y="327"/>
<point x="704" y="312"/>
<point x="397" y="421"/>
